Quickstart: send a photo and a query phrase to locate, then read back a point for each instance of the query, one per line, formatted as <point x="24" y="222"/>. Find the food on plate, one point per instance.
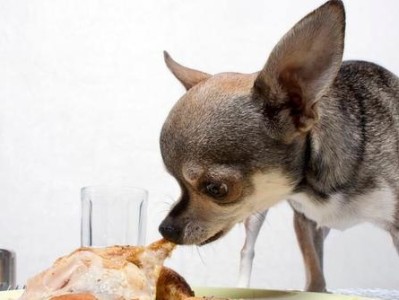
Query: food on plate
<point x="111" y="273"/>
<point x="172" y="286"/>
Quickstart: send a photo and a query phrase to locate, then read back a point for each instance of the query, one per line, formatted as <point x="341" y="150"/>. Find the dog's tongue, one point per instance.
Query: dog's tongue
<point x="102" y="273"/>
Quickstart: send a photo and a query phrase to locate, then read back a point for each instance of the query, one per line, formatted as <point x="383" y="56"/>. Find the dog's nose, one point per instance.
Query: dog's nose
<point x="170" y="231"/>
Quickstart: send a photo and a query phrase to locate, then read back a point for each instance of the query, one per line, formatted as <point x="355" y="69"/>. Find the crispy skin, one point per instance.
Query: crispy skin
<point x="172" y="286"/>
<point x="80" y="296"/>
<point x="121" y="272"/>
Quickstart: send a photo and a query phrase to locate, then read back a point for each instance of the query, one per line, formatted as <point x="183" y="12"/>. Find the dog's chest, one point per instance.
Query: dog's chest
<point x="341" y="212"/>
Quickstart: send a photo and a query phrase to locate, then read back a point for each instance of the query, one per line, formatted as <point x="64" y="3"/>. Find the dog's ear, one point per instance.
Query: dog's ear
<point x="188" y="77"/>
<point x="302" y="66"/>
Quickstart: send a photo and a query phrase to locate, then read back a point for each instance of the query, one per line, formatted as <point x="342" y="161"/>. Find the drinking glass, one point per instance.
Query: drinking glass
<point x="113" y="216"/>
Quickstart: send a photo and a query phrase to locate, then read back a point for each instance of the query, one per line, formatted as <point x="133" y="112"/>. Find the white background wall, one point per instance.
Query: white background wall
<point x="83" y="95"/>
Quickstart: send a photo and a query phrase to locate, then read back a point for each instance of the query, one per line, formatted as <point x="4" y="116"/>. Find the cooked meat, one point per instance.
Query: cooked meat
<point x="119" y="272"/>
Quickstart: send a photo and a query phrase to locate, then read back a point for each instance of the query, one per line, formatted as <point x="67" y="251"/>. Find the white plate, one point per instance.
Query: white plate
<point x="235" y="293"/>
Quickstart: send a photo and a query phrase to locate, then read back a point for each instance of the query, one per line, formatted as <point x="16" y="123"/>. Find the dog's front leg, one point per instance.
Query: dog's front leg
<point x="252" y="227"/>
<point x="311" y="240"/>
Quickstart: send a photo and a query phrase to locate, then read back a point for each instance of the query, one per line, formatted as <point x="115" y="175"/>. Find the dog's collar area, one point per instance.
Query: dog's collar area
<point x="307" y="155"/>
<point x="304" y="184"/>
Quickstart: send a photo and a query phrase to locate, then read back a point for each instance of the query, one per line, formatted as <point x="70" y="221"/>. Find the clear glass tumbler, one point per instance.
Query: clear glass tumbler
<point x="113" y="216"/>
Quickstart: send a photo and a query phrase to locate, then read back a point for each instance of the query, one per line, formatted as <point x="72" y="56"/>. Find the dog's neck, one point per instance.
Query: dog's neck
<point x="331" y="154"/>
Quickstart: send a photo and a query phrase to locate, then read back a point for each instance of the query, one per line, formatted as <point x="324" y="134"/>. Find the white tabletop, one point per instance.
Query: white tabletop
<point x="370" y="293"/>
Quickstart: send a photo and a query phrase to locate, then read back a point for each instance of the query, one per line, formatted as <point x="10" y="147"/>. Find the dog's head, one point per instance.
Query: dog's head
<point x="235" y="142"/>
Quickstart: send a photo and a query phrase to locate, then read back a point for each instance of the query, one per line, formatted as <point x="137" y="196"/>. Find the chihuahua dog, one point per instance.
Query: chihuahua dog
<point x="308" y="127"/>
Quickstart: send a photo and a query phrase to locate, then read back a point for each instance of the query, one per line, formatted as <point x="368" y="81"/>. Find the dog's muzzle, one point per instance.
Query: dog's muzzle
<point x="170" y="231"/>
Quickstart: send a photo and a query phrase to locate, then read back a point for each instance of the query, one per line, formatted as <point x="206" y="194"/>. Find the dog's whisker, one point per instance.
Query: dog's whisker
<point x="199" y="254"/>
<point x="164" y="203"/>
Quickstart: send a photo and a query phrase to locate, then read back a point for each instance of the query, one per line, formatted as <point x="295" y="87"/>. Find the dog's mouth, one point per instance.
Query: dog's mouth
<point x="212" y="238"/>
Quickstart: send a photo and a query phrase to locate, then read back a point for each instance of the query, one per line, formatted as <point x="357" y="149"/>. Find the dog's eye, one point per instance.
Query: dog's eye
<point x="216" y="190"/>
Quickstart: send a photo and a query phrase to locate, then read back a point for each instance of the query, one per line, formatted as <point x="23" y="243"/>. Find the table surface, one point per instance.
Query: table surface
<point x="371" y="293"/>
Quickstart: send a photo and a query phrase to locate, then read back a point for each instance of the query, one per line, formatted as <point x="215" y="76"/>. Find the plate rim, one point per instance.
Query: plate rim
<point x="259" y="293"/>
<point x="241" y="292"/>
